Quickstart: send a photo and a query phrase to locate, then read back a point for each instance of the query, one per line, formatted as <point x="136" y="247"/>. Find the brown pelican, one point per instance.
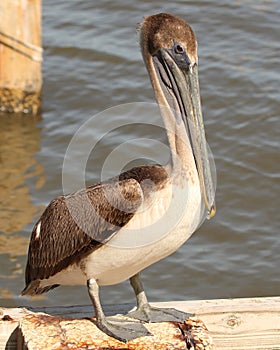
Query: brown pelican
<point x="80" y="238"/>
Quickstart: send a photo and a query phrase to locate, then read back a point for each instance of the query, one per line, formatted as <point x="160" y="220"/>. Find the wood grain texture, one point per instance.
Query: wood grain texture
<point x="236" y="324"/>
<point x="61" y="333"/>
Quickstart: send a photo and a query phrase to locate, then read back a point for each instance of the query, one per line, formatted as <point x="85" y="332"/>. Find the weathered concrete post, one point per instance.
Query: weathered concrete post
<point x="20" y="56"/>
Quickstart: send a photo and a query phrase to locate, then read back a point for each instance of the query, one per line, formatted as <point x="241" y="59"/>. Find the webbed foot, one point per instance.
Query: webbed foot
<point x="116" y="327"/>
<point x="145" y="312"/>
<point x="121" y="329"/>
<point x="148" y="313"/>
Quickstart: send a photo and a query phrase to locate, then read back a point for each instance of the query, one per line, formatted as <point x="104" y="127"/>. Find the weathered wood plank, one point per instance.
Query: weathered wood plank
<point x="61" y="333"/>
<point x="236" y="324"/>
<point x="20" y="56"/>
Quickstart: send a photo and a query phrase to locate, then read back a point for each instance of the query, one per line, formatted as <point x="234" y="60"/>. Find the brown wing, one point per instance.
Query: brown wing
<point x="73" y="225"/>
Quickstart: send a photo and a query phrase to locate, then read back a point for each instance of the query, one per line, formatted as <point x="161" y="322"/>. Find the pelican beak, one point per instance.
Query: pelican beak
<point x="179" y="83"/>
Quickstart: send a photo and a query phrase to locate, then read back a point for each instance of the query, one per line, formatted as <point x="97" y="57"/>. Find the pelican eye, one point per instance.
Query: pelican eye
<point x="179" y="48"/>
<point x="180" y="55"/>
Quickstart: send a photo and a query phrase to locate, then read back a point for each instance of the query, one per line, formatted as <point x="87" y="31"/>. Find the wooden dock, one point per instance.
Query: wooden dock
<point x="249" y="323"/>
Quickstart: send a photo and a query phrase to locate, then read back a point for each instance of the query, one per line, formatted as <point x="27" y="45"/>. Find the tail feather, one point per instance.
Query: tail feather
<point x="33" y="288"/>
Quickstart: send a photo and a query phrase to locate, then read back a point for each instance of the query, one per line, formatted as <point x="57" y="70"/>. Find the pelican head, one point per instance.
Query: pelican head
<point x="169" y="50"/>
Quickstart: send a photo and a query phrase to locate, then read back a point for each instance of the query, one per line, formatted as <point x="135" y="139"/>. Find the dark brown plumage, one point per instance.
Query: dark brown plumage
<point x="74" y="225"/>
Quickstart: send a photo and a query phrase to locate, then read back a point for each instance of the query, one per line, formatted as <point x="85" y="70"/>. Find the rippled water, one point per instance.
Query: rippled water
<point x="91" y="62"/>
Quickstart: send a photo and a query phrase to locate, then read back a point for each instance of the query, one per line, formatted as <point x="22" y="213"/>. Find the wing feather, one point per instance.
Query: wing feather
<point x="72" y="226"/>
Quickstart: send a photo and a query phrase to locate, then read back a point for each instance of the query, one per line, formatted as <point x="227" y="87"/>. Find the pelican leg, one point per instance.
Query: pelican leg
<point x="145" y="312"/>
<point x="117" y="328"/>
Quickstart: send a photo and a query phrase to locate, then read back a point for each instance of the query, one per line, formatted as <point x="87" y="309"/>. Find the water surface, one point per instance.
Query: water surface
<point x="92" y="62"/>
